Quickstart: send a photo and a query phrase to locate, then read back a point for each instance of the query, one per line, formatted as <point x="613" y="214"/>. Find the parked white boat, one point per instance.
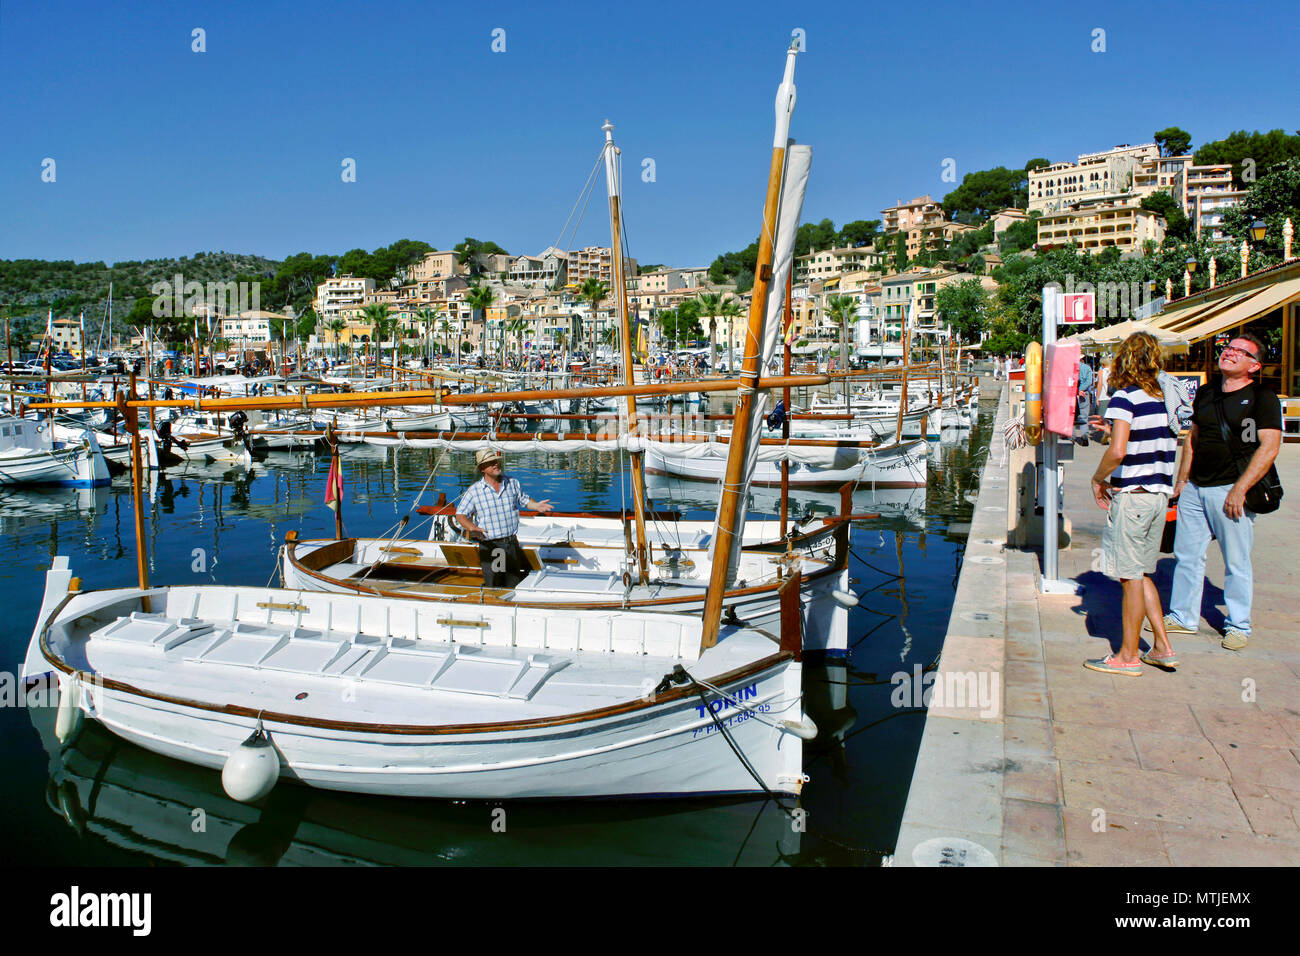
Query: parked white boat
<point x="899" y="465"/>
<point x="571" y="574"/>
<point x="432" y="699"/>
<point x="30" y="454"/>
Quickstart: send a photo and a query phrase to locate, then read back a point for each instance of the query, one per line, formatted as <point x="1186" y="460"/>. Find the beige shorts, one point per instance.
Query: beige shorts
<point x="1130" y="543"/>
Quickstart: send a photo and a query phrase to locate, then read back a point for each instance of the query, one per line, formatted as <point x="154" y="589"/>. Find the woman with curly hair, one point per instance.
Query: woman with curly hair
<point x="1133" y="483"/>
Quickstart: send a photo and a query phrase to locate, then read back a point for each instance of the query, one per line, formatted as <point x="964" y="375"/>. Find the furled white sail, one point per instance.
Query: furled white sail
<point x="798" y="159"/>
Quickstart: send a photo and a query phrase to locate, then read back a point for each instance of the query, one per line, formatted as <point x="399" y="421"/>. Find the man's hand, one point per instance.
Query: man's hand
<point x="1101" y="492"/>
<point x="1179" y="486"/>
<point x="543" y="507"/>
<point x="1234" y="506"/>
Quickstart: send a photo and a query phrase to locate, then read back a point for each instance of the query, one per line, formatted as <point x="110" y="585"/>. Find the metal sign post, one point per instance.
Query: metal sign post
<point x="1049" y="583"/>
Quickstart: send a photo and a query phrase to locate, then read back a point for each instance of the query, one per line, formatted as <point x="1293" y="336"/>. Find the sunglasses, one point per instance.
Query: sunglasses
<point x="1242" y="352"/>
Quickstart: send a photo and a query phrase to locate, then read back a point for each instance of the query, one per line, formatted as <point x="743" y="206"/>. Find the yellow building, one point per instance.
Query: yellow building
<point x="1095" y="225"/>
<point x="1112" y="172"/>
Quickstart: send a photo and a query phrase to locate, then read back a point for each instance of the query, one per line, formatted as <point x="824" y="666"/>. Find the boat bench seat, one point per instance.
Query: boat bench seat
<point x="458" y="668"/>
<point x="153" y="631"/>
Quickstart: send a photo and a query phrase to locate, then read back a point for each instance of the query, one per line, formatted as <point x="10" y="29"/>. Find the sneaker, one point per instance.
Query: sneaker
<point x="1172" y="626"/>
<point x="1167" y="662"/>
<point x="1113" y="665"/>
<point x="1234" y="640"/>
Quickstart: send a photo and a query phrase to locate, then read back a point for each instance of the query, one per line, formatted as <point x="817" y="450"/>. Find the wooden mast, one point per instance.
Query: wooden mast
<point x="131" y="419"/>
<point x="785" y="397"/>
<point x="625" y="328"/>
<point x="749" y="373"/>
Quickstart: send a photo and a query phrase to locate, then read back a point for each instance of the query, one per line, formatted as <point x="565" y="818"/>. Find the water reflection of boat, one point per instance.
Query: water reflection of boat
<point x="129" y="797"/>
<point x="18" y="507"/>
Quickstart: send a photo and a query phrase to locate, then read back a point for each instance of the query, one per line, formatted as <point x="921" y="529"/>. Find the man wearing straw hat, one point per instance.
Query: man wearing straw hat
<point x="489" y="513"/>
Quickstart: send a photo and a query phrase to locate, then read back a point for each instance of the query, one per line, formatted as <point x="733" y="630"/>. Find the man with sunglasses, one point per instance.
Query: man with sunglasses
<point x="1211" y="487"/>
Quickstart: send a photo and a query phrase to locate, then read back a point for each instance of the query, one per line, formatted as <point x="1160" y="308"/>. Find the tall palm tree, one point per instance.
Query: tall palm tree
<point x="710" y="309"/>
<point x="595" y="292"/>
<point x="730" y="310"/>
<point x="843" y="310"/>
<point x="480" y="299"/>
<point x="337" y="328"/>
<point x="516" y="327"/>
<point x="445" y="330"/>
<point x="375" y="315"/>
<point x="428" y="317"/>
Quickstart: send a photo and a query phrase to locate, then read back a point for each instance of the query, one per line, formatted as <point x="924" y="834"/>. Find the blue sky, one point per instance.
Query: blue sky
<point x="161" y="151"/>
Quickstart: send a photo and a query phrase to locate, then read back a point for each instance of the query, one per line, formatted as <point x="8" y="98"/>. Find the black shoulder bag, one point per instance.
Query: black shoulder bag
<point x="1263" y="497"/>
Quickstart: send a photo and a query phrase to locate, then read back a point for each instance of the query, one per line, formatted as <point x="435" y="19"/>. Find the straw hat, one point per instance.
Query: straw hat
<point x="485" y="456"/>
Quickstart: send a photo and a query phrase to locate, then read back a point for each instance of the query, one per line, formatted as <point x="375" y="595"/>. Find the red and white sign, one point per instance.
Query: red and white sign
<point x="1078" y="308"/>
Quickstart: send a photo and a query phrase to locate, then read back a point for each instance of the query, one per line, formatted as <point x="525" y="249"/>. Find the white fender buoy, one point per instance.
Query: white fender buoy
<point x="804" y="729"/>
<point x="252" y="769"/>
<point x="845" y="598"/>
<point x="68" y="718"/>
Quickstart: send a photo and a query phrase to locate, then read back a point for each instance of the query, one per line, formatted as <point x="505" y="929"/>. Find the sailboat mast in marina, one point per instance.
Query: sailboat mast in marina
<point x="613" y="183"/>
<point x="787" y="179"/>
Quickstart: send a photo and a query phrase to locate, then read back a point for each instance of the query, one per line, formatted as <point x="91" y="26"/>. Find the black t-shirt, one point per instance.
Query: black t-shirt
<point x="1246" y="411"/>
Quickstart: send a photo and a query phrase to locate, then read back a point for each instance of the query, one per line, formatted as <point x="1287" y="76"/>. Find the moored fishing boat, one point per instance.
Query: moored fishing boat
<point x="446" y="698"/>
<point x="31" y="455"/>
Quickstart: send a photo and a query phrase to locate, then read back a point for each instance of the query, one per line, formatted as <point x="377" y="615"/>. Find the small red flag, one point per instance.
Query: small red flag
<point x="334" y="485"/>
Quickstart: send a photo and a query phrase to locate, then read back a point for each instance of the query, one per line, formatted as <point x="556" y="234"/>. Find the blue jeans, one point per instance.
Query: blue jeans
<point x="1200" y="514"/>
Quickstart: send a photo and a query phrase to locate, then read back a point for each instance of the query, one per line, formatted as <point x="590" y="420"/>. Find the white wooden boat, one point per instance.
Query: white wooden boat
<point x="571" y="574"/>
<point x="431" y="699"/>
<point x="898" y="465"/>
<point x="30" y="455"/>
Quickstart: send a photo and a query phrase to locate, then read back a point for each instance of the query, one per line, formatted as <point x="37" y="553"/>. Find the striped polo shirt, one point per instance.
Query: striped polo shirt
<point x="1149" y="461"/>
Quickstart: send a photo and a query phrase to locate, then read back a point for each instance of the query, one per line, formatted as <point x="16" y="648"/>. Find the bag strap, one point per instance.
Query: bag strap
<point x="1236" y="453"/>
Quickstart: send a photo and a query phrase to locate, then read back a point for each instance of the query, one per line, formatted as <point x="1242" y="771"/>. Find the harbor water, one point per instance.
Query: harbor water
<point x="98" y="800"/>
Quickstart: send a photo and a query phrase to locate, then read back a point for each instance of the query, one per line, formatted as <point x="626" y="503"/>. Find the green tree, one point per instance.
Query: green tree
<point x="984" y="192"/>
<point x="1252" y="155"/>
<point x="376" y="315"/>
<point x="429" y="318"/>
<point x="963" y="306"/>
<point x="900" y="251"/>
<point x="337" y="327"/>
<point x="843" y="311"/>
<point x="731" y="310"/>
<point x="681" y="324"/>
<point x="1274" y="198"/>
<point x="480" y="299"/>
<point x="1173" y="141"/>
<point x="307" y="323"/>
<point x="472" y="251"/>
<point x="710" y="308"/>
<point x="594" y="292"/>
<point x="1019" y="235"/>
<point x="731" y="265"/>
<point x="860" y="232"/>
<point x="809" y="236"/>
<point x="1177" y="224"/>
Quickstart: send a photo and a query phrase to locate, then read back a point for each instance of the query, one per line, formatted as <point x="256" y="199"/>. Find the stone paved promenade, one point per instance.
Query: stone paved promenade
<point x="1193" y="768"/>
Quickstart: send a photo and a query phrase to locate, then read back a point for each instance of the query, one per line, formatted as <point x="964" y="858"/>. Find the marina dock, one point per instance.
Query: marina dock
<point x="1029" y="759"/>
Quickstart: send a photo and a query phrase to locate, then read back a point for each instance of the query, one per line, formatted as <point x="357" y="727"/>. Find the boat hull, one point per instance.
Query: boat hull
<point x="896" y="466"/>
<point x="368" y="695"/>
